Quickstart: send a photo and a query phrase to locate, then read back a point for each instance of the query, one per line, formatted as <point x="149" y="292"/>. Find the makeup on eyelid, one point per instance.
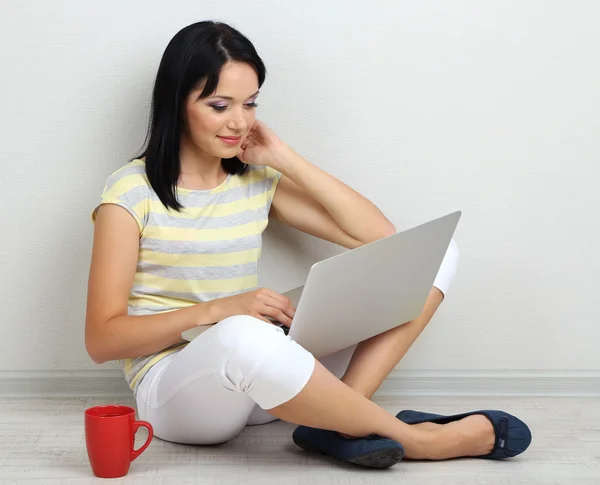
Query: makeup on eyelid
<point x="251" y="104"/>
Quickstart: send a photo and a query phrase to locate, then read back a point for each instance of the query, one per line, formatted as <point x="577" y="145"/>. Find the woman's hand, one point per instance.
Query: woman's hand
<point x="262" y="146"/>
<point x="261" y="303"/>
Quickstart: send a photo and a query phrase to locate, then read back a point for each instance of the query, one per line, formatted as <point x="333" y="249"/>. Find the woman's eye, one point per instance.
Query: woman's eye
<point x="220" y="108"/>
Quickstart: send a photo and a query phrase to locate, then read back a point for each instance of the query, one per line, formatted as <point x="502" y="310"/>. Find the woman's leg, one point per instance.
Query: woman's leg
<point x="364" y="366"/>
<point x="376" y="357"/>
<point x="206" y="393"/>
<point x="336" y="363"/>
<point x="202" y="413"/>
<point x="208" y="390"/>
<point x="355" y="415"/>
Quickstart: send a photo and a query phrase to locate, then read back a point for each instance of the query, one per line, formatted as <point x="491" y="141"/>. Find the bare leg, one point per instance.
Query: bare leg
<point x="376" y="357"/>
<point x="355" y="415"/>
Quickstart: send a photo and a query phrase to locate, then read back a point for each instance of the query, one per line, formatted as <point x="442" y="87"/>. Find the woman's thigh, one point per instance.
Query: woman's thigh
<point x="192" y="397"/>
<point x="202" y="413"/>
<point x="206" y="393"/>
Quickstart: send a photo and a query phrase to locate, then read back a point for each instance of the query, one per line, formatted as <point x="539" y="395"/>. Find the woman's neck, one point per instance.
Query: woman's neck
<point x="199" y="167"/>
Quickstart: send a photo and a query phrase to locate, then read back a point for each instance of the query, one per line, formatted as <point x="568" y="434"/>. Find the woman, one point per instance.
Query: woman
<point x="176" y="245"/>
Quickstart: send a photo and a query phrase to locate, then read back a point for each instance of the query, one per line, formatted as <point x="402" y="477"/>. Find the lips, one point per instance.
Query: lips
<point x="232" y="141"/>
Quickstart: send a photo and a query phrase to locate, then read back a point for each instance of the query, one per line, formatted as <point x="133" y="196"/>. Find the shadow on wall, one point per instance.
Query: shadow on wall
<point x="52" y="298"/>
<point x="288" y="254"/>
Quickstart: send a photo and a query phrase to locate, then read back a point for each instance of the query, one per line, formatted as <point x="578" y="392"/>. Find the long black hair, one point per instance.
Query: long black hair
<point x="195" y="53"/>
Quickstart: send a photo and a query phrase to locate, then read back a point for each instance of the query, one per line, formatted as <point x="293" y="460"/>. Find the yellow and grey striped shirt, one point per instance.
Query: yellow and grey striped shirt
<point x="208" y="250"/>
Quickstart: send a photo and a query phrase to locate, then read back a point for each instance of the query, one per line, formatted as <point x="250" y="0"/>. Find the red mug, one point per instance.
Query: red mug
<point x="109" y="437"/>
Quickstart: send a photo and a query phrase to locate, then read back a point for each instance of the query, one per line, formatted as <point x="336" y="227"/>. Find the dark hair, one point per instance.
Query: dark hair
<point x="195" y="53"/>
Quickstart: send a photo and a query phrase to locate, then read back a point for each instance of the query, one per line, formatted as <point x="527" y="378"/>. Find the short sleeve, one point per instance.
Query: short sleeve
<point x="273" y="176"/>
<point x="128" y="188"/>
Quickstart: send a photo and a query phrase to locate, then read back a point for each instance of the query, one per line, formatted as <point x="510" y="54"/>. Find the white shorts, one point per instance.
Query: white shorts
<point x="225" y="379"/>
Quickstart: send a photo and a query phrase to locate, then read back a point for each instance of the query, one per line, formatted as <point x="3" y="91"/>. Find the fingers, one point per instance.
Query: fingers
<point x="278" y="315"/>
<point x="284" y="319"/>
<point x="284" y="304"/>
<point x="255" y="126"/>
<point x="277" y="306"/>
<point x="267" y="293"/>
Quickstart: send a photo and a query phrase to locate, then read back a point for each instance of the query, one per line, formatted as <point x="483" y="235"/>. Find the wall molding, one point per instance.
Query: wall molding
<point x="507" y="383"/>
<point x="499" y="383"/>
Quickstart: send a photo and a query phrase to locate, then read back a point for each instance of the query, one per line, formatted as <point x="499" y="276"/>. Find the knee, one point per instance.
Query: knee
<point x="448" y="268"/>
<point x="246" y="339"/>
<point x="453" y="253"/>
<point x="258" y="359"/>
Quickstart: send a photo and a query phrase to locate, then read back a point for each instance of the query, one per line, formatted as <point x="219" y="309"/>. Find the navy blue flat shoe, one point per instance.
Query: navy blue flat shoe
<point x="372" y="451"/>
<point x="513" y="436"/>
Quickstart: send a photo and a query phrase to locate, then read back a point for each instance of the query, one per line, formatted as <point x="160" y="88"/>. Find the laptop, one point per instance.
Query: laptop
<point x="368" y="290"/>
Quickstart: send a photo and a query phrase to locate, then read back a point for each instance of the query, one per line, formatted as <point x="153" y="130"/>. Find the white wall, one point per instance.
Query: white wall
<point x="425" y="107"/>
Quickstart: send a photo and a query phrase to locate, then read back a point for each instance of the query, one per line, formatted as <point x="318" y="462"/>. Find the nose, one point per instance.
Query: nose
<point x="238" y="122"/>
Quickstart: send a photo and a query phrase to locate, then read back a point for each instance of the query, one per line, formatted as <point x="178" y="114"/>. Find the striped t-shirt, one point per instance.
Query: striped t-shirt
<point x="208" y="250"/>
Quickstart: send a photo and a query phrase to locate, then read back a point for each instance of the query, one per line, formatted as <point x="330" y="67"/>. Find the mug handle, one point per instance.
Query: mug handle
<point x="136" y="426"/>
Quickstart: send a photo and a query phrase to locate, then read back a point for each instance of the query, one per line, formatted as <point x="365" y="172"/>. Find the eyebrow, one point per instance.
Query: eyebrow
<point x="231" y="99"/>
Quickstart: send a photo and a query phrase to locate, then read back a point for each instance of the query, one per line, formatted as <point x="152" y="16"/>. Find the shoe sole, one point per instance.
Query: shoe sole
<point x="377" y="459"/>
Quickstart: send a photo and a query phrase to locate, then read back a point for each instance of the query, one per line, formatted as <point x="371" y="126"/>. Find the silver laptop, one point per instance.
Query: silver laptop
<point x="363" y="292"/>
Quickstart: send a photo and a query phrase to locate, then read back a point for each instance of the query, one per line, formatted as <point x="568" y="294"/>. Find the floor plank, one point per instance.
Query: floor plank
<point x="43" y="443"/>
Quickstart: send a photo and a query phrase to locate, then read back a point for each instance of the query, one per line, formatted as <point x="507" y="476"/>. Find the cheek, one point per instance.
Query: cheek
<point x="204" y="123"/>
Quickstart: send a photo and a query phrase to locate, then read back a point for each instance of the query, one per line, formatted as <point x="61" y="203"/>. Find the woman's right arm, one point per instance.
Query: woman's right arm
<point x="110" y="334"/>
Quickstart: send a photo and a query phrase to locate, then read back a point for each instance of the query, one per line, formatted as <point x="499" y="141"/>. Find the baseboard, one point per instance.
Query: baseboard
<point x="508" y="383"/>
<point x="63" y="383"/>
<point x="102" y="383"/>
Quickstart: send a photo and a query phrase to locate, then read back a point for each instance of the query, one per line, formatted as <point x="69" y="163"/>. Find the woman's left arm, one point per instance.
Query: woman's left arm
<point x="315" y="202"/>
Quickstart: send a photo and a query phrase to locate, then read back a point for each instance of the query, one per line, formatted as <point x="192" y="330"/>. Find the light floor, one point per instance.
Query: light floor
<point x="42" y="442"/>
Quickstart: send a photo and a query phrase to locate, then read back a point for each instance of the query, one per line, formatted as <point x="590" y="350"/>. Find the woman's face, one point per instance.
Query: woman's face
<point x="228" y="112"/>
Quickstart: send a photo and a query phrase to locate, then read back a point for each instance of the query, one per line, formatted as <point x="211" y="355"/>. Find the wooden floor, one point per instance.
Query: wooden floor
<point x="43" y="443"/>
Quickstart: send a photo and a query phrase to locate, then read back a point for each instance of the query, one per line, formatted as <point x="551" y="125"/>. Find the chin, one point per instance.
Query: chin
<point x="228" y="152"/>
